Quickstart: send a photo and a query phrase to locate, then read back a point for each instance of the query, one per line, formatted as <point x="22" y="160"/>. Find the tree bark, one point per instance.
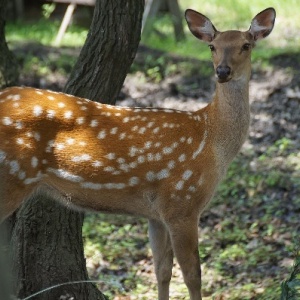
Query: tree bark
<point x="47" y="243"/>
<point x="8" y="64"/>
<point x="112" y="42"/>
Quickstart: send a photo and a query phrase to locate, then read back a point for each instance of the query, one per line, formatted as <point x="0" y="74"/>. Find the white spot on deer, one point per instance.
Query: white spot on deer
<point x="157" y="145"/>
<point x="192" y="189"/>
<point x="168" y="111"/>
<point x="97" y="164"/>
<point x="142" y="130"/>
<point x="122" y="136"/>
<point x="141" y="159"/>
<point x="80" y="158"/>
<point x="34" y="162"/>
<point x="156" y="130"/>
<point x="150" y="176"/>
<point x="124" y="167"/>
<point x="51" y="113"/>
<point x="81" y="143"/>
<point x="117" y="186"/>
<point x="51" y="98"/>
<point x="61" y="104"/>
<point x="150" y="156"/>
<point x="2" y="156"/>
<point x="60" y="146"/>
<point x="14" y="97"/>
<point x="147" y="145"/>
<point x="16" y="105"/>
<point x="126" y="119"/>
<point x="121" y="160"/>
<point x="171" y="164"/>
<point x="14" y="167"/>
<point x="111" y="156"/>
<point x="187" y="174"/>
<point x="20" y="141"/>
<point x="91" y="185"/>
<point x="21" y="175"/>
<point x="158" y="157"/>
<point x="133" y="164"/>
<point x="167" y="150"/>
<point x="164" y="173"/>
<point x="61" y="173"/>
<point x="135" y="128"/>
<point x="80" y="120"/>
<point x="189" y="140"/>
<point x="109" y="169"/>
<point x="70" y="141"/>
<point x="201" y="146"/>
<point x="179" y="185"/>
<point x="83" y="107"/>
<point x="39" y="92"/>
<point x="37" y="110"/>
<point x="44" y="161"/>
<point x="19" y="124"/>
<point x="7" y="121"/>
<point x="134" y="181"/>
<point x="134" y="150"/>
<point x="37" y="136"/>
<point x="102" y="134"/>
<point x="114" y="130"/>
<point x="182" y="139"/>
<point x="94" y="123"/>
<point x="182" y="158"/>
<point x="150" y="124"/>
<point x="68" y="114"/>
<point x="201" y="180"/>
<point x="188" y="197"/>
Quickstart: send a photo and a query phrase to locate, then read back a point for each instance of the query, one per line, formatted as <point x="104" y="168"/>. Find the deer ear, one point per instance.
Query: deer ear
<point x="263" y="23"/>
<point x="200" y="26"/>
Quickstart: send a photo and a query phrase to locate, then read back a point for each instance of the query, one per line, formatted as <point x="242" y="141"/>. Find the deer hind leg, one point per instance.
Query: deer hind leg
<point x="162" y="255"/>
<point x="184" y="238"/>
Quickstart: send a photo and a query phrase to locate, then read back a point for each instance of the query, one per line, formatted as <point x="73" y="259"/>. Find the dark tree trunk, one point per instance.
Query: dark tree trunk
<point x="46" y="241"/>
<point x="8" y="63"/>
<point x="109" y="51"/>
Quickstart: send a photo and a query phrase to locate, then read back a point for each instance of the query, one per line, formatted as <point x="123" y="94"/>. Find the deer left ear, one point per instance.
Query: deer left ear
<point x="263" y="23"/>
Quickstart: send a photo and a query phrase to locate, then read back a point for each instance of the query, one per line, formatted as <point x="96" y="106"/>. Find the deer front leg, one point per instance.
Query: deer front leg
<point x="162" y="255"/>
<point x="184" y="238"/>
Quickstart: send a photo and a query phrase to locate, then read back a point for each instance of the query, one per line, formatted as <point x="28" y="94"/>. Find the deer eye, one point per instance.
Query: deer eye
<point x="212" y="48"/>
<point x="246" y="47"/>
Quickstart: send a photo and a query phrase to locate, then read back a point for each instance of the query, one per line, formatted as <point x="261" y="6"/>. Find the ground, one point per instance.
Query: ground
<point x="248" y="234"/>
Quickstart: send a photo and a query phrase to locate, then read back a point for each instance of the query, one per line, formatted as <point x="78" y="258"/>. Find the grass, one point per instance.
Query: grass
<point x="44" y="31"/>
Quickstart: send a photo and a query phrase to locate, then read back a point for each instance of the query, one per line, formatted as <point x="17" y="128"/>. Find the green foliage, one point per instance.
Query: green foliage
<point x="47" y="10"/>
<point x="44" y="31"/>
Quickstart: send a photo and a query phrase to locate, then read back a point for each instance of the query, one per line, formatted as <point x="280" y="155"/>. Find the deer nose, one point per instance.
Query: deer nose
<point x="223" y="72"/>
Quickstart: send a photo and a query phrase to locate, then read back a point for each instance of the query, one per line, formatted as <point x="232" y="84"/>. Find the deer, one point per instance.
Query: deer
<point x="161" y="164"/>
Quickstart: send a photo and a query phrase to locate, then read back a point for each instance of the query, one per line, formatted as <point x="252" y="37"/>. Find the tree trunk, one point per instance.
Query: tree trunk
<point x="46" y="241"/>
<point x="112" y="42"/>
<point x="8" y="63"/>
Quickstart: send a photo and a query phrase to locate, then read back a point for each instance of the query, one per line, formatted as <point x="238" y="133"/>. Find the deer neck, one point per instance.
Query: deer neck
<point x="230" y="117"/>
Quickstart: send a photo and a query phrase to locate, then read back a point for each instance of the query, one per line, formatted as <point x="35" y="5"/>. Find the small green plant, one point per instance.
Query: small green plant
<point x="47" y="10"/>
